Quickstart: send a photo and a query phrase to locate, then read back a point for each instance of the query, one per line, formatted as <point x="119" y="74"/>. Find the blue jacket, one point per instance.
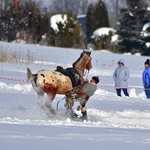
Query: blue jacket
<point x="146" y="77"/>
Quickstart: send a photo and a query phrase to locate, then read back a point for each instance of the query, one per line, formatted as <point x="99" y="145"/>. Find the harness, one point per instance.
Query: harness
<point x="77" y="81"/>
<point x="79" y="91"/>
<point x="72" y="74"/>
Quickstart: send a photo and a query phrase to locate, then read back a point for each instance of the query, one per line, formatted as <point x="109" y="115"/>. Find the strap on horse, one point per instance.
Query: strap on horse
<point x="72" y="74"/>
<point x="78" y="90"/>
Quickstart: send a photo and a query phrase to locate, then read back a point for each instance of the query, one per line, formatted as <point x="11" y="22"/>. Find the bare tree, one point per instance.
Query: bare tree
<point x="114" y="7"/>
<point x="83" y="6"/>
<point x="74" y="6"/>
<point x="4" y="4"/>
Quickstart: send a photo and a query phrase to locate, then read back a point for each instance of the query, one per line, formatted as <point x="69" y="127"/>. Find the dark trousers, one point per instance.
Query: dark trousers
<point x="147" y="93"/>
<point x="125" y="91"/>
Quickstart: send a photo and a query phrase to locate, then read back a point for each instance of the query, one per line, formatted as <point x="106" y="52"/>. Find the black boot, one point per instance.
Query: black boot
<point x="84" y="116"/>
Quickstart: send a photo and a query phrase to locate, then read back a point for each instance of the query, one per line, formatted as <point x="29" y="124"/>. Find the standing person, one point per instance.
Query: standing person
<point x="146" y="78"/>
<point x="120" y="77"/>
<point x="82" y="95"/>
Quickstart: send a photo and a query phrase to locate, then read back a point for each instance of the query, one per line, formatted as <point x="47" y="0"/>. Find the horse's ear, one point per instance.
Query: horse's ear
<point x="83" y="52"/>
<point x="89" y="53"/>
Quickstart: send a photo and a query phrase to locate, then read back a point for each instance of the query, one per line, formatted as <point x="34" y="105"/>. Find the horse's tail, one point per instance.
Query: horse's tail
<point x="32" y="78"/>
<point x="29" y="75"/>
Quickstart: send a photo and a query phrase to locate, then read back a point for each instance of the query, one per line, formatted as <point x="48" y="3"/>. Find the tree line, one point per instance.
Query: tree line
<point x="28" y="23"/>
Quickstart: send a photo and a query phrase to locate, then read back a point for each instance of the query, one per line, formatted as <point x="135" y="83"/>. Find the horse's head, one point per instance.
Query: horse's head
<point x="88" y="59"/>
<point x="83" y="62"/>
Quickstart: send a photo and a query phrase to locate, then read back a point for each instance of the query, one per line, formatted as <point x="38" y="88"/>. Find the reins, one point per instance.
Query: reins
<point x="85" y="68"/>
<point x="85" y="72"/>
<point x="59" y="102"/>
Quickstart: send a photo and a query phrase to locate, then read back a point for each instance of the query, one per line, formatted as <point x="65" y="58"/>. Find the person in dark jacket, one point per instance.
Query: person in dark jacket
<point x="120" y="77"/>
<point x="83" y="94"/>
<point x="146" y="78"/>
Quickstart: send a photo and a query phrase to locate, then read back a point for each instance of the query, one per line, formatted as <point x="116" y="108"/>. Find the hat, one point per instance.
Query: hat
<point x="96" y="78"/>
<point x="121" y="61"/>
<point x="147" y="62"/>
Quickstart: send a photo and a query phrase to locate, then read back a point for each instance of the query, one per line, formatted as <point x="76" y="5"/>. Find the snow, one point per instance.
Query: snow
<point x="114" y="38"/>
<point x="148" y="44"/>
<point x="148" y="8"/>
<point x="117" y="123"/>
<point x="102" y="31"/>
<point x="59" y="18"/>
<point x="144" y="32"/>
<point x="147" y="25"/>
<point x="131" y="14"/>
<point x="82" y="16"/>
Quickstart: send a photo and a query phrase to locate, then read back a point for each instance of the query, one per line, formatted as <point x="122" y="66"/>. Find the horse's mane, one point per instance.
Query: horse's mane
<point x="81" y="55"/>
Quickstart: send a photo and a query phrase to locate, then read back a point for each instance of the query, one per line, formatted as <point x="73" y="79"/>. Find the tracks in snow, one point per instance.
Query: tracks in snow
<point x="127" y="118"/>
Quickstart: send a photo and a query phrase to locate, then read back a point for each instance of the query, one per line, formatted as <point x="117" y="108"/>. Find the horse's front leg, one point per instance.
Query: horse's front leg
<point x="69" y="104"/>
<point x="48" y="105"/>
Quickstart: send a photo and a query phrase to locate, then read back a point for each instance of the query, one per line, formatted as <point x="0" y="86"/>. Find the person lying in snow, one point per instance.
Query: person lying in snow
<point x="83" y="94"/>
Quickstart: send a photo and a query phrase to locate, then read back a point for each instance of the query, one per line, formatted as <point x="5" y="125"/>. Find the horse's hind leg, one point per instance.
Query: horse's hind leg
<point x="69" y="104"/>
<point x="48" y="105"/>
<point x="40" y="101"/>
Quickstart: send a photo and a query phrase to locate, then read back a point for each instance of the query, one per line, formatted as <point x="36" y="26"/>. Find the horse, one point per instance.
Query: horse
<point x="57" y="82"/>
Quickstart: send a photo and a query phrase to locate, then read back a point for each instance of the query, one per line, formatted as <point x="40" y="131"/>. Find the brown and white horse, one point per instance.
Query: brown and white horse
<point x="54" y="82"/>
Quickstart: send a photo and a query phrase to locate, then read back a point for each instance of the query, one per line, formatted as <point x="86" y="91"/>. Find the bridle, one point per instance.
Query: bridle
<point x="86" y="70"/>
<point x="85" y="73"/>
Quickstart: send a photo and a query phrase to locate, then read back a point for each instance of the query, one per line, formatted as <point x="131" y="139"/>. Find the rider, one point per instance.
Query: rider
<point x="83" y="94"/>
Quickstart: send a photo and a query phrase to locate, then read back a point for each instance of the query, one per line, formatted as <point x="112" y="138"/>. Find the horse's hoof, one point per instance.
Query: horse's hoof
<point x="53" y="112"/>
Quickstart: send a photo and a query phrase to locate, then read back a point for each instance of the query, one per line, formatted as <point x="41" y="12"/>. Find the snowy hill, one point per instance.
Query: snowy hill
<point x="118" y="123"/>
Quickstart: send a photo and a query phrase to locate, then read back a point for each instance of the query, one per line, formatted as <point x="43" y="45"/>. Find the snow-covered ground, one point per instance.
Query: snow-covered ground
<point x="115" y="123"/>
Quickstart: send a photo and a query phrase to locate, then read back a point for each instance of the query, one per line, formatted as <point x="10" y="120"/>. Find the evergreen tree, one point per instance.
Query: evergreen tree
<point x="100" y="15"/>
<point x="130" y="26"/>
<point x="97" y="17"/>
<point x="69" y="34"/>
<point x="145" y="36"/>
<point x="26" y="18"/>
<point x="133" y="3"/>
<point x="89" y="22"/>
